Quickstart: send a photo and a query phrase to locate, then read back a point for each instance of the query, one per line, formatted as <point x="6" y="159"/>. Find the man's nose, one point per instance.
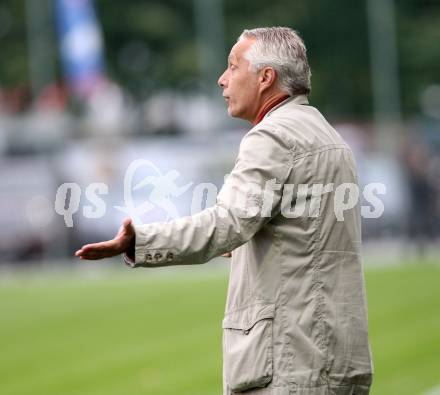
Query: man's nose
<point x="222" y="80"/>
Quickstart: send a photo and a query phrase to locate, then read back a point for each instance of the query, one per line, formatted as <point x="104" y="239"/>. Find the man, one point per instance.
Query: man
<point x="295" y="319"/>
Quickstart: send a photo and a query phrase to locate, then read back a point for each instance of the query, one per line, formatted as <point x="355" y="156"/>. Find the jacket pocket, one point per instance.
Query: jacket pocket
<point x="248" y="347"/>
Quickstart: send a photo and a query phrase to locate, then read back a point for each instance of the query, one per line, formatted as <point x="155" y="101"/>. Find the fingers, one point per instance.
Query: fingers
<point x="101" y="250"/>
<point x="109" y="248"/>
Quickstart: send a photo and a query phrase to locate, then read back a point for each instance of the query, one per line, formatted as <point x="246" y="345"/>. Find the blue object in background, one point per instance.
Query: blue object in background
<point x="81" y="45"/>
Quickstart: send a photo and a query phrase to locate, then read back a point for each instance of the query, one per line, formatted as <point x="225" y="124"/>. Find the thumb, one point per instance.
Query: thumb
<point x="127" y="222"/>
<point x="127" y="225"/>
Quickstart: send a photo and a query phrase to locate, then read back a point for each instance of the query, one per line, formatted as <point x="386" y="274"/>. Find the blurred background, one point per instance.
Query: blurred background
<point x="87" y="87"/>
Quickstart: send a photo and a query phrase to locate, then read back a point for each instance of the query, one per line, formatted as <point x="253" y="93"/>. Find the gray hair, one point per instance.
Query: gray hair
<point x="282" y="49"/>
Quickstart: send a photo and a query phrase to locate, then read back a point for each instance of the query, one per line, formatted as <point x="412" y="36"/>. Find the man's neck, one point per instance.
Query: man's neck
<point x="269" y="103"/>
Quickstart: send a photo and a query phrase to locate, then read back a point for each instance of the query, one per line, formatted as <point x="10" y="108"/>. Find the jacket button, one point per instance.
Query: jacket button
<point x="170" y="256"/>
<point x="157" y="256"/>
<point x="148" y="257"/>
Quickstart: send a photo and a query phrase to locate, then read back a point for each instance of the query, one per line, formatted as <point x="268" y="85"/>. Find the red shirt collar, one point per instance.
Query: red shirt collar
<point x="269" y="107"/>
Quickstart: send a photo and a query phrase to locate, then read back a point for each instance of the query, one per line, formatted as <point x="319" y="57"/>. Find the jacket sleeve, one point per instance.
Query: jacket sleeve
<point x="249" y="198"/>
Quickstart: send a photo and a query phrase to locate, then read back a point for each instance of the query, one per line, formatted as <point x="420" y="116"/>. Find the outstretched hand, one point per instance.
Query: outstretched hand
<point x="122" y="243"/>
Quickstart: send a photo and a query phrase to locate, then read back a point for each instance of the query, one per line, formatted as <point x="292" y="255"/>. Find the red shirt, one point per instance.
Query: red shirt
<point x="269" y="107"/>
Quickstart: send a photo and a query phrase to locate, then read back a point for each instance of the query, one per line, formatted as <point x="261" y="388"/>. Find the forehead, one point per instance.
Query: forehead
<point x="240" y="48"/>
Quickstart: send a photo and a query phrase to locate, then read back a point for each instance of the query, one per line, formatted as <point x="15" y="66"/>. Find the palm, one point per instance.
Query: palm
<point x="106" y="249"/>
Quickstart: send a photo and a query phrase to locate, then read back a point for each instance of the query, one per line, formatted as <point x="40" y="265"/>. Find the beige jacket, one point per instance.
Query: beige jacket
<point x="296" y="317"/>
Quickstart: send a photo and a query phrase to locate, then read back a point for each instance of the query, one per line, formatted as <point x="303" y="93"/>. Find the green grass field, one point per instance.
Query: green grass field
<point x="138" y="332"/>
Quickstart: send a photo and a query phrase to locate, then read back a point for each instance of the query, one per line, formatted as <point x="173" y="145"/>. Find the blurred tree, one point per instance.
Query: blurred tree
<point x="419" y="38"/>
<point x="152" y="45"/>
<point x="13" y="65"/>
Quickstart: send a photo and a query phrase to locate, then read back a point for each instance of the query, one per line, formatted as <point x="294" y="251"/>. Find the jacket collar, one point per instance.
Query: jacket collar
<point x="299" y="99"/>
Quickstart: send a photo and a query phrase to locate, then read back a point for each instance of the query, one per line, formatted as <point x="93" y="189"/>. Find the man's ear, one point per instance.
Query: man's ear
<point x="267" y="77"/>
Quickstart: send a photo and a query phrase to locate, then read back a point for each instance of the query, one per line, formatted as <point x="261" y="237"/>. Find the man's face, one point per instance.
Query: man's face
<point x="240" y="84"/>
